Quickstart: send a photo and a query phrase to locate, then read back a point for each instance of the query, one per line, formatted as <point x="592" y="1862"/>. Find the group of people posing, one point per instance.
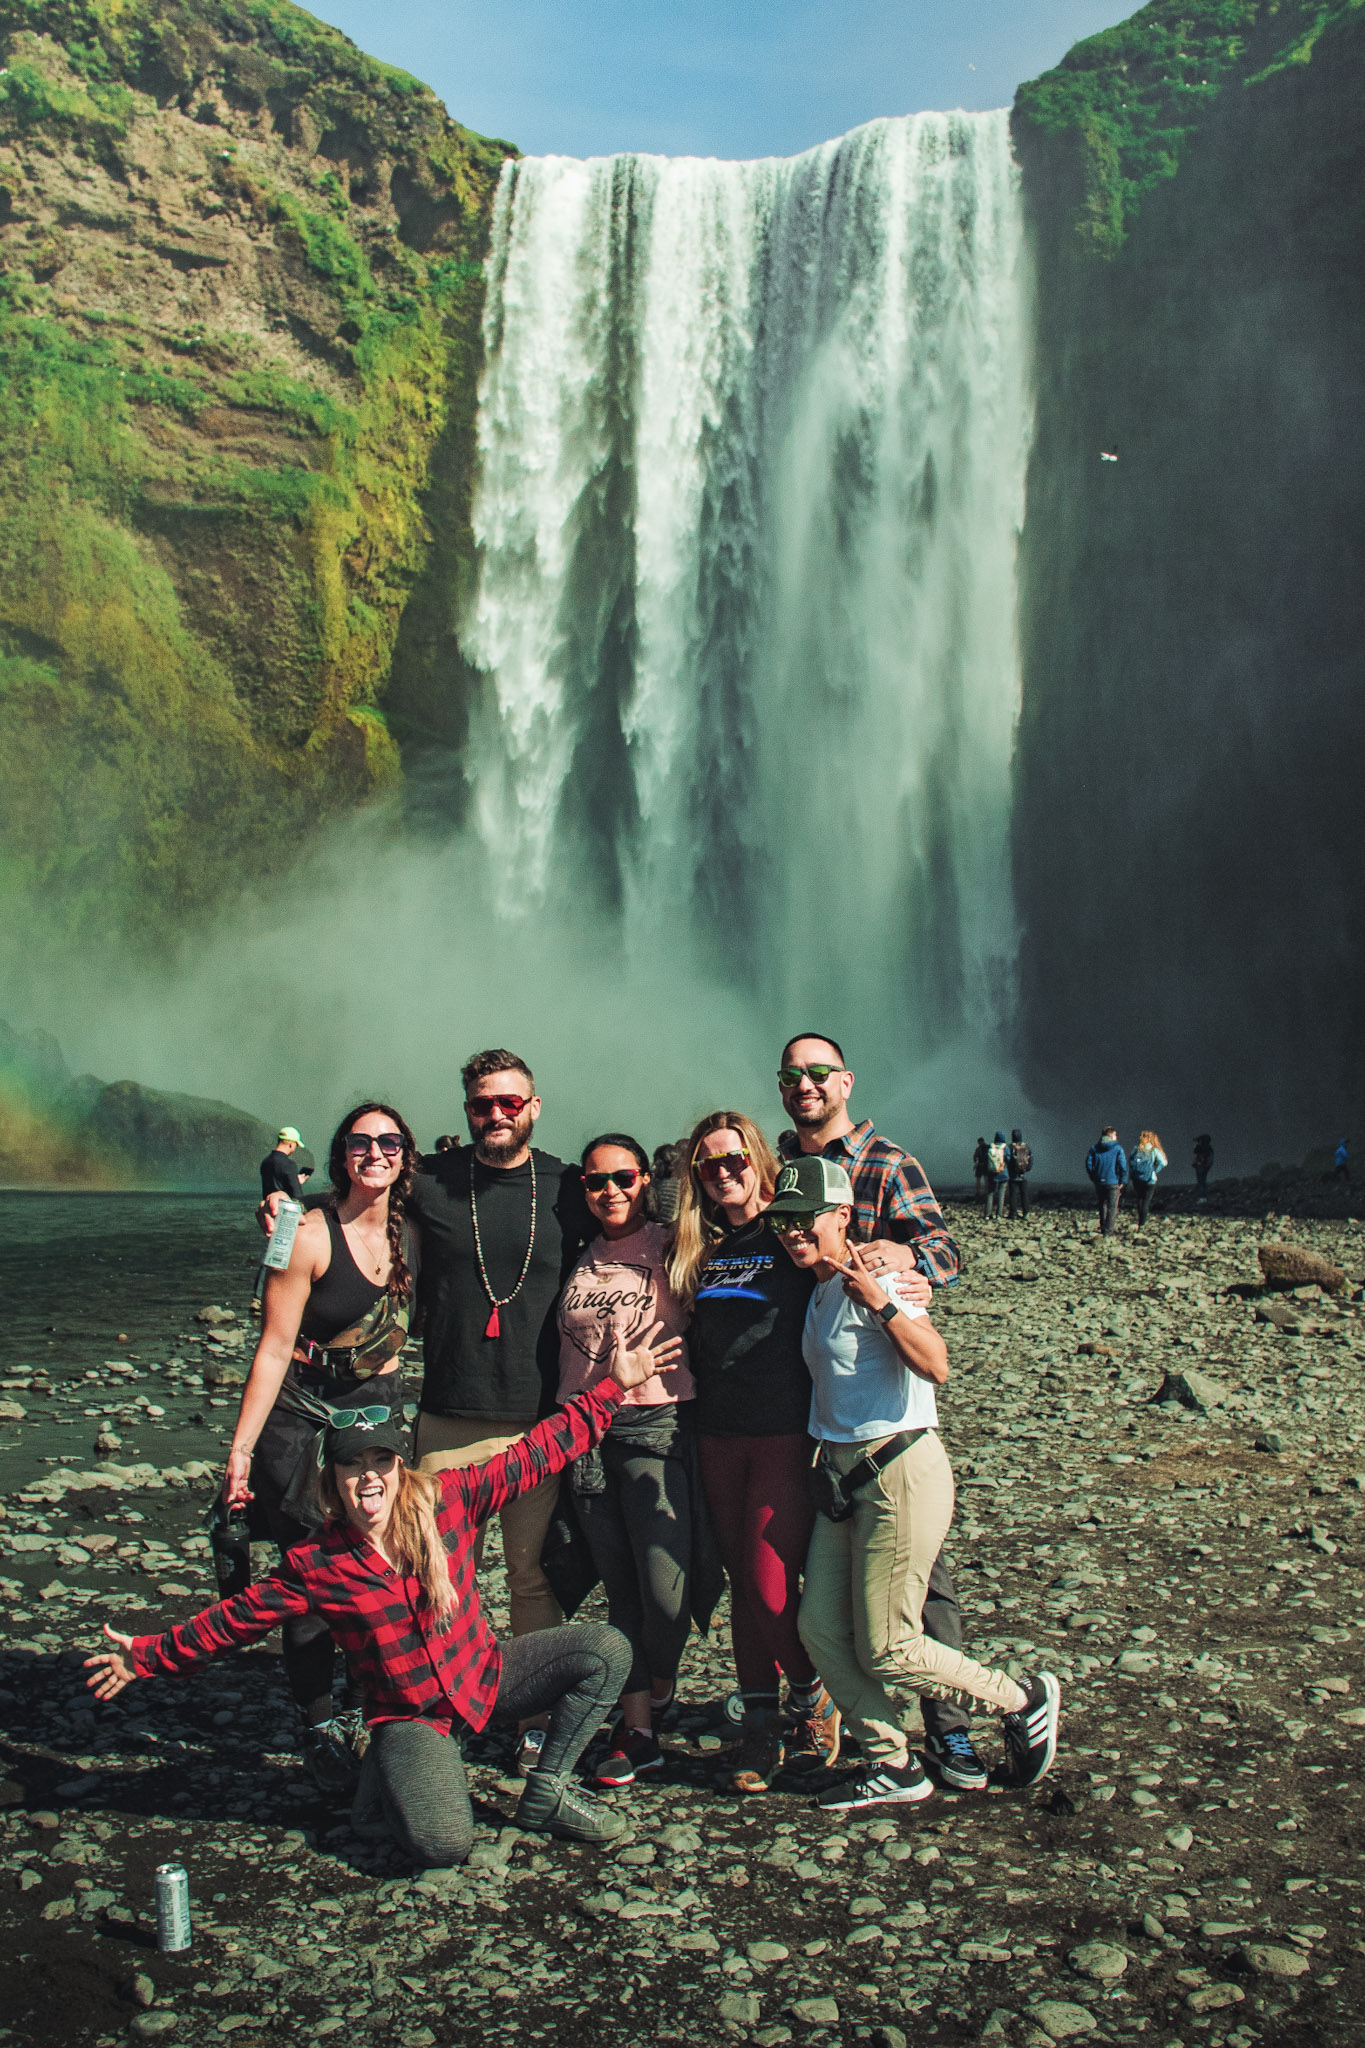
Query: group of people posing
<point x="754" y="1377"/>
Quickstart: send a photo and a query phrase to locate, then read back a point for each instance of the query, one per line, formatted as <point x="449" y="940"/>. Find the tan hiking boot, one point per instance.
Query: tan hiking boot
<point x="814" y="1743"/>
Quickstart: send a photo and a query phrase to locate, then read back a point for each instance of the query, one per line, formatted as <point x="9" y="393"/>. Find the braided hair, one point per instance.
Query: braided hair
<point x="400" y="1279"/>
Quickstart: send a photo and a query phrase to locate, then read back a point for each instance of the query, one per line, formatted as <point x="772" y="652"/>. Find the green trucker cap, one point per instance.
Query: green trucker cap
<point x="811" y="1182"/>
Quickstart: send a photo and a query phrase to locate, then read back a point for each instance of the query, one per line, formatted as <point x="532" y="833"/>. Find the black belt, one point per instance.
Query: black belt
<point x="832" y="1491"/>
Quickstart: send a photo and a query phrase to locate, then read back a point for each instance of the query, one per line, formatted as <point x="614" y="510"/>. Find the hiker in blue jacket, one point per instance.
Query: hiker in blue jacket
<point x="1108" y="1170"/>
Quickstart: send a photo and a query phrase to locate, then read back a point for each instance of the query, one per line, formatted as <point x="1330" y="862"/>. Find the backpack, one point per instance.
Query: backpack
<point x="995" y="1154"/>
<point x="1021" y="1159"/>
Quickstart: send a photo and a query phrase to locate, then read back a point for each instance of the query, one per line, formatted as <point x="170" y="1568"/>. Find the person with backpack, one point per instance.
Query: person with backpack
<point x="1145" y="1163"/>
<point x="980" y="1165"/>
<point x="1019" y="1161"/>
<point x="1203" y="1161"/>
<point x="997" y="1173"/>
<point x="1107" y="1166"/>
<point x="1341" y="1168"/>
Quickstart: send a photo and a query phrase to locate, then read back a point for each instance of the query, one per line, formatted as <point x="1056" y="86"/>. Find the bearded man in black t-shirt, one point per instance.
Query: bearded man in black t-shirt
<point x="500" y="1223"/>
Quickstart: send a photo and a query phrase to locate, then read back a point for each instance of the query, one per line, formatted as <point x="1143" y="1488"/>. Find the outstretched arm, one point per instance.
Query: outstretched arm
<point x="228" y="1625"/>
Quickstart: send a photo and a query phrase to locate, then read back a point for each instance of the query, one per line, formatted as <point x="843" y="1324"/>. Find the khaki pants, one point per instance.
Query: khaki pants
<point x="445" y="1441"/>
<point x="866" y="1579"/>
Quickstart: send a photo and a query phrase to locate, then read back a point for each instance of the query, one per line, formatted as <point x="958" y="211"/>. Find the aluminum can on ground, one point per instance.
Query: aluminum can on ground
<point x="172" y="1907"/>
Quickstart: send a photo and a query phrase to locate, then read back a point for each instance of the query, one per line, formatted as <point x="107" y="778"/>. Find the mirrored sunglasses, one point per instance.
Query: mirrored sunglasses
<point x="716" y="1163"/>
<point x="623" y="1177"/>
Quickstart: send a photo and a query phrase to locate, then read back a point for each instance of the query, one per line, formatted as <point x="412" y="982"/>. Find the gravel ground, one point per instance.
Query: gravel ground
<point x="1192" y="1873"/>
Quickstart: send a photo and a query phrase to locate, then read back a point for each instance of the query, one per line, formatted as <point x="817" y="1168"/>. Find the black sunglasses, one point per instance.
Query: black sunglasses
<point x="623" y="1177"/>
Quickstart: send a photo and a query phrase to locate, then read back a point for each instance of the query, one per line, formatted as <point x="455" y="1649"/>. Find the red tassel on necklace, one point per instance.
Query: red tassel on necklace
<point x="493" y="1327"/>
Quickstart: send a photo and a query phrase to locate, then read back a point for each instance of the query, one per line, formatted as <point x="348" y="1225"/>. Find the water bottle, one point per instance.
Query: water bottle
<point x="281" y="1241"/>
<point x="230" y="1542"/>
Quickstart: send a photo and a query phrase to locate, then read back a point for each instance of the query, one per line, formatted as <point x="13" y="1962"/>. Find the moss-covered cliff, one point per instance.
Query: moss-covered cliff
<point x="240" y="287"/>
<point x="1194" y="718"/>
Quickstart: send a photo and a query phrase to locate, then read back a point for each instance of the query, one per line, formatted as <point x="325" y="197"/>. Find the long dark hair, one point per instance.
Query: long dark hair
<point x="400" y="1279"/>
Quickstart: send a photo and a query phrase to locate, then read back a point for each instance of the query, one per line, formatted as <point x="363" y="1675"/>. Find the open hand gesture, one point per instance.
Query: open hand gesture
<point x="860" y="1282"/>
<point x="110" y="1670"/>
<point x="656" y="1354"/>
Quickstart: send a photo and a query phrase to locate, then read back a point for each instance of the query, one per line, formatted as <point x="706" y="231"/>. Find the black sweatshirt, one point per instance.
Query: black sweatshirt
<point x="513" y="1375"/>
<point x="745" y="1338"/>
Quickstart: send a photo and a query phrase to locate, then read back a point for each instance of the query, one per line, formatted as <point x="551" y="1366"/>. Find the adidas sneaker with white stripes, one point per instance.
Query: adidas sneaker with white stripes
<point x="1031" y="1733"/>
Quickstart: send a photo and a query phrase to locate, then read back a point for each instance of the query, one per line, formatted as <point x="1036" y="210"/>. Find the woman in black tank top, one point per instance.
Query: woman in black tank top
<point x="334" y="1326"/>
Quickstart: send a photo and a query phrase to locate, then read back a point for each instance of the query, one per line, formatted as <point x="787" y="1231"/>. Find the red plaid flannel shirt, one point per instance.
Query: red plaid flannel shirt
<point x="411" y="1667"/>
<point x="891" y="1198"/>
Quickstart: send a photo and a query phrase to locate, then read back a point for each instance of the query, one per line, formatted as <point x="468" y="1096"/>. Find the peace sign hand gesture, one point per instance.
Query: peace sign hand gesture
<point x="860" y="1284"/>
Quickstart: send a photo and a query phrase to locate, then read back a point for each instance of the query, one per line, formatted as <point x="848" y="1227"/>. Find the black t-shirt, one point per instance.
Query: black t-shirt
<point x="279" y="1175"/>
<point x="514" y="1374"/>
<point x="744" y="1340"/>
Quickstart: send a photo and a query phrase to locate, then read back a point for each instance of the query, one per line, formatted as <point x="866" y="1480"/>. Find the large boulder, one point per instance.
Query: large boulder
<point x="175" y="1140"/>
<point x="1293" y="1265"/>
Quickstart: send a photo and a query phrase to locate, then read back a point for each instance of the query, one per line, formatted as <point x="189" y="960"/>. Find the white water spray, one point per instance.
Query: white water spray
<point x="753" y="440"/>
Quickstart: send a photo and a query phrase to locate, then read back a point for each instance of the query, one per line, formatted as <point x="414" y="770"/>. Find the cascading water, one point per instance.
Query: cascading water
<point x="752" y="450"/>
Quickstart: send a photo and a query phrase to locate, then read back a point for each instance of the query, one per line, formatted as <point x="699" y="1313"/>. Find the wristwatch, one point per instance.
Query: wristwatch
<point x="889" y="1313"/>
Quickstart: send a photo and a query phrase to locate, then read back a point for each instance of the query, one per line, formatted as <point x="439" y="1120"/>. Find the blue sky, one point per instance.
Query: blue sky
<point x="697" y="77"/>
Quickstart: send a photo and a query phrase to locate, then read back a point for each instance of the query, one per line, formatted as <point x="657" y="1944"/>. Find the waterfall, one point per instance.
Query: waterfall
<point x="752" y="443"/>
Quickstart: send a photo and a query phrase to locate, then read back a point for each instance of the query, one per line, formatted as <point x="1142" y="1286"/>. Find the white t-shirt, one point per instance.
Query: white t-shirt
<point x="861" y="1386"/>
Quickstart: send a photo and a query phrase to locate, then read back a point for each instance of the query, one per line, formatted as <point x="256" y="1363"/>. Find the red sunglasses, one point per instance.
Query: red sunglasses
<point x="484" y="1106"/>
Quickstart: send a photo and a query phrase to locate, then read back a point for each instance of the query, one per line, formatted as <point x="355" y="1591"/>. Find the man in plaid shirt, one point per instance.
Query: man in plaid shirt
<point x="405" y="1608"/>
<point x="900" y="1224"/>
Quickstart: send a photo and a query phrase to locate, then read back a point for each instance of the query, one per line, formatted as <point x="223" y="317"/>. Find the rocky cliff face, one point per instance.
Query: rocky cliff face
<point x="239" y="313"/>
<point x="1189" y="761"/>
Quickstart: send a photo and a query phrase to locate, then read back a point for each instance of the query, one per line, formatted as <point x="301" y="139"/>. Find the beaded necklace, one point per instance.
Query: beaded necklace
<point x="493" y="1327"/>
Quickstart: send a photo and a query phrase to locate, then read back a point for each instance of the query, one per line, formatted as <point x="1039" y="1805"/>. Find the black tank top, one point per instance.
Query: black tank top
<point x="343" y="1294"/>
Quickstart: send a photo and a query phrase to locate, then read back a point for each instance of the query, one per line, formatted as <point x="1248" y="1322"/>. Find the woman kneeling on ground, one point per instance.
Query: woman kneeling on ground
<point x="392" y="1576"/>
<point x="752" y="1409"/>
<point x="886" y="1503"/>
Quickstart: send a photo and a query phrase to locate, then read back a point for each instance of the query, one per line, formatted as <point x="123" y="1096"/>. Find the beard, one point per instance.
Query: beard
<point x="807" y="1119"/>
<point x="496" y="1148"/>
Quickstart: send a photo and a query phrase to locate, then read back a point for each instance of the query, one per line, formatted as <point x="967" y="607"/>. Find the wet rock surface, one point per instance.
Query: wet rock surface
<point x="1192" y="1872"/>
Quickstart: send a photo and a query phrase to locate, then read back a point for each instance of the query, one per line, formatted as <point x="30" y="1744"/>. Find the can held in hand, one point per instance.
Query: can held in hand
<point x="172" y="1907"/>
<point x="287" y="1219"/>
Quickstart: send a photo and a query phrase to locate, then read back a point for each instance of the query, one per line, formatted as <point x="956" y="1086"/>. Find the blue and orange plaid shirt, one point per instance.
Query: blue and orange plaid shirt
<point x="411" y="1665"/>
<point x="891" y="1198"/>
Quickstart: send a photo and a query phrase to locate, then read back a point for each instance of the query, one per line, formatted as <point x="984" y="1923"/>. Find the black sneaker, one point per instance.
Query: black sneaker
<point x="1031" y="1734"/>
<point x="553" y="1804"/>
<point x="329" y="1757"/>
<point x="955" y="1759"/>
<point x="631" y="1752"/>
<point x="879" y="1785"/>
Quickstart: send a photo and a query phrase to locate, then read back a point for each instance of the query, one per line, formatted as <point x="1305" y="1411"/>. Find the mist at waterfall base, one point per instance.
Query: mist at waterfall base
<point x="743" y="670"/>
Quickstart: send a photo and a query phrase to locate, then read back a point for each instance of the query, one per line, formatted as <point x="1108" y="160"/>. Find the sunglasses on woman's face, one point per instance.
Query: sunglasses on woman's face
<point x="484" y="1106"/>
<point x="789" y="1077"/>
<point x="359" y="1144"/>
<point x="717" y="1163"/>
<point x="802" y="1220"/>
<point x="623" y="1177"/>
<point x="347" y="1418"/>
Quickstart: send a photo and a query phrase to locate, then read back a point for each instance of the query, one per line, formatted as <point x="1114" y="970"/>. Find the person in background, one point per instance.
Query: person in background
<point x="391" y="1574"/>
<point x="752" y="1409"/>
<point x="336" y="1320"/>
<point x="1341" y="1167"/>
<point x="634" y="1497"/>
<point x="1019" y="1161"/>
<point x="875" y="1361"/>
<point x="981" y="1160"/>
<point x="500" y="1222"/>
<point x="449" y="1143"/>
<point x="997" y="1174"/>
<point x="1203" y="1164"/>
<point x="1145" y="1162"/>
<point x="279" y="1175"/>
<point x="1108" y="1170"/>
<point x="900" y="1228"/>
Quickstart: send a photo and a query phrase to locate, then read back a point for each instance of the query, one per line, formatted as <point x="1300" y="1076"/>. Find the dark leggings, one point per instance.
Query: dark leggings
<point x="756" y="1489"/>
<point x="639" y="1532"/>
<point x="416" y="1772"/>
<point x="1144" y="1190"/>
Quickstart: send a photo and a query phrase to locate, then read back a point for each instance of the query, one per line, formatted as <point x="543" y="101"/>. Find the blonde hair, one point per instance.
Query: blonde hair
<point x="700" y="1221"/>
<point x="412" y="1531"/>
<point x="1151" y="1141"/>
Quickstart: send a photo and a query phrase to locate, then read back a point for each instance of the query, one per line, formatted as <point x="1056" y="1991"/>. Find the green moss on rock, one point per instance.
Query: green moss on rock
<point x="242" y="284"/>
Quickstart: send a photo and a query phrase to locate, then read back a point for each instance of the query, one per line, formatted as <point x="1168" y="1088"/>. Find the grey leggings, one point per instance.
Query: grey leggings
<point x="416" y="1774"/>
<point x="639" y="1531"/>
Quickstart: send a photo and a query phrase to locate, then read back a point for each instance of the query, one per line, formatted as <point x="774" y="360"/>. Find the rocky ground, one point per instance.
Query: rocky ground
<point x="1191" y="1874"/>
